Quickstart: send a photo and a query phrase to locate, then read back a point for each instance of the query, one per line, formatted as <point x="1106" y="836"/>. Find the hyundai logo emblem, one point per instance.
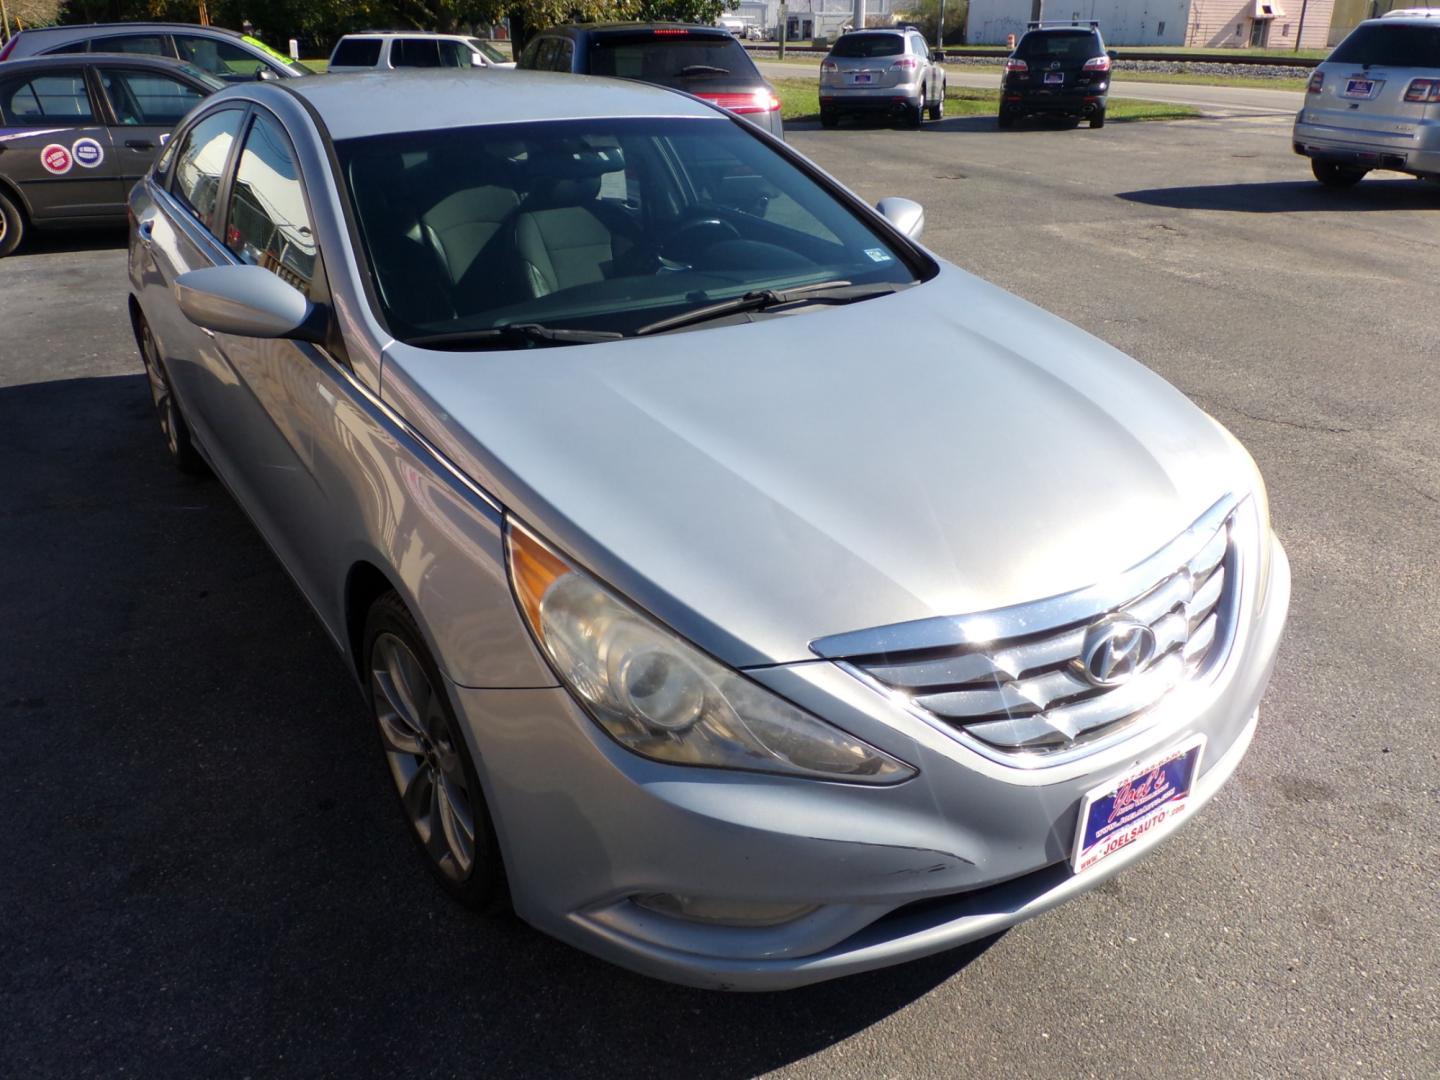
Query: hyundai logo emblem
<point x="1116" y="650"/>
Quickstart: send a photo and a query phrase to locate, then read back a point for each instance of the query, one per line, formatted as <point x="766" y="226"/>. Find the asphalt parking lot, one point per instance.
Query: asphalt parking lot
<point x="202" y="872"/>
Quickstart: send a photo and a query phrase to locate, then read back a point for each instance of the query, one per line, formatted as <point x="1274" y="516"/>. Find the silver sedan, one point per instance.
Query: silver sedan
<point x="745" y="594"/>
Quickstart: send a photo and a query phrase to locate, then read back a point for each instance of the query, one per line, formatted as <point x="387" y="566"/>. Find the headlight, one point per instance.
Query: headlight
<point x="663" y="698"/>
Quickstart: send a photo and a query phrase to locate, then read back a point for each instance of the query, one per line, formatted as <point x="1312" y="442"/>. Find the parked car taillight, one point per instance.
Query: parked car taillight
<point x="1098" y="63"/>
<point x="1317" y="83"/>
<point x="909" y="63"/>
<point x="760" y="101"/>
<point x="829" y="65"/>
<point x="1016" y="65"/>
<point x="1425" y="90"/>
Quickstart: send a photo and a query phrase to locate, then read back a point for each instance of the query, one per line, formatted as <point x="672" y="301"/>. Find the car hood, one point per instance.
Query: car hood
<point x="945" y="450"/>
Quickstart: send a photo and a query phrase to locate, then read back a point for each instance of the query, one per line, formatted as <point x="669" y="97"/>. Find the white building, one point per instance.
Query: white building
<point x="1212" y="23"/>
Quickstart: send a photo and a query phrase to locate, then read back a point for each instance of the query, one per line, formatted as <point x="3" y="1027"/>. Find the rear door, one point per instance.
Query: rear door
<point x="146" y="104"/>
<point x="144" y="44"/>
<point x="223" y="59"/>
<point x="1367" y="77"/>
<point x="55" y="147"/>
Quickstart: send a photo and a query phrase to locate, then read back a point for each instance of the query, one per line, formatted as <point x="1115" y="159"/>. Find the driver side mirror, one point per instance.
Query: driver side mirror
<point x="1112" y="54"/>
<point x="476" y="60"/>
<point x="906" y="215"/>
<point x="264" y="74"/>
<point x="247" y="301"/>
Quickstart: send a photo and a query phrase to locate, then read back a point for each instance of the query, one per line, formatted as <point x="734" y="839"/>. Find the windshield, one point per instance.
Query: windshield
<point x="1059" y="45"/>
<point x="662" y="55"/>
<point x="490" y="52"/>
<point x="605" y="225"/>
<point x="1391" y="46"/>
<point x="859" y="45"/>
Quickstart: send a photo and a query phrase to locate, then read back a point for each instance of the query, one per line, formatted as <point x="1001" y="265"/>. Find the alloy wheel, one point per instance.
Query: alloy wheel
<point x="420" y="748"/>
<point x="160" y="392"/>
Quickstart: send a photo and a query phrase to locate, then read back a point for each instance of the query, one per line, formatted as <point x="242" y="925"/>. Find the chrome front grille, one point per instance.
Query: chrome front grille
<point x="1019" y="692"/>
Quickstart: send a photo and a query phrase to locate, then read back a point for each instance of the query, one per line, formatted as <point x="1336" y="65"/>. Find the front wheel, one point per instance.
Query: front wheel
<point x="428" y="758"/>
<point x="12" y="225"/>
<point x="1336" y="176"/>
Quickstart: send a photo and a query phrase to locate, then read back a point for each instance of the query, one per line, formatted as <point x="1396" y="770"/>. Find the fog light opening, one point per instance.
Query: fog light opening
<point x="719" y="912"/>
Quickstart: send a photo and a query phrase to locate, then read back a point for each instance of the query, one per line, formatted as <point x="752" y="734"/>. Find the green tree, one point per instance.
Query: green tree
<point x="926" y="15"/>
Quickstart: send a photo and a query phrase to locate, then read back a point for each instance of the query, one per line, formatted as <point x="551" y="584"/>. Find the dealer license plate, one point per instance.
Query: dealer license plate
<point x="1144" y="802"/>
<point x="1361" y="88"/>
<point x="1054" y="78"/>
<point x="863" y="77"/>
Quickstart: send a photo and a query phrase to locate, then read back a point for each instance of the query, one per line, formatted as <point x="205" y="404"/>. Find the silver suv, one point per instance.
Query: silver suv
<point x="1375" y="103"/>
<point x="890" y="72"/>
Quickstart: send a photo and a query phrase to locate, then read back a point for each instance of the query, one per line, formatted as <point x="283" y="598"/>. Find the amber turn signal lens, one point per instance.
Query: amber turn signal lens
<point x="533" y="569"/>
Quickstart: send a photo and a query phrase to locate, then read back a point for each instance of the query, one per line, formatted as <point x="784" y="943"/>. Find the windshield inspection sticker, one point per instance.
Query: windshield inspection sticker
<point x="87" y="153"/>
<point x="878" y="254"/>
<point x="56" y="159"/>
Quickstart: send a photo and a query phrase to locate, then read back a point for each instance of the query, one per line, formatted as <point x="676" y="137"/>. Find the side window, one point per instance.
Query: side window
<point x="200" y="163"/>
<point x="57" y="97"/>
<point x="419" y="52"/>
<point x="917" y="45"/>
<point x="564" y="56"/>
<point x="269" y="225"/>
<point x="545" y="58"/>
<point x="454" y="54"/>
<point x="220" y="58"/>
<point x="531" y="54"/>
<point x="73" y="47"/>
<point x="144" y="44"/>
<point x="148" y="97"/>
<point x="357" y="52"/>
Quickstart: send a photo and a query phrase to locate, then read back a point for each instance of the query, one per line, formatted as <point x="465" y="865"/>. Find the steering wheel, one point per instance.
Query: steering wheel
<point x="697" y="231"/>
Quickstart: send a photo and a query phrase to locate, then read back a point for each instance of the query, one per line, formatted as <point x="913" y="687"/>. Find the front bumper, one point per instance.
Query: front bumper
<point x="1404" y="146"/>
<point x="962" y="851"/>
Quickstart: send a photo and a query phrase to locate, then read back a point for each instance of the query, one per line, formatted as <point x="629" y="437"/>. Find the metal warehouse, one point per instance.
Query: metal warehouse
<point x="1211" y="23"/>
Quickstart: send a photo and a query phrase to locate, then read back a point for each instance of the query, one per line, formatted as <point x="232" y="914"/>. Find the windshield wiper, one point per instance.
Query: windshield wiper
<point x="704" y="69"/>
<point x="825" y="292"/>
<point x="514" y="334"/>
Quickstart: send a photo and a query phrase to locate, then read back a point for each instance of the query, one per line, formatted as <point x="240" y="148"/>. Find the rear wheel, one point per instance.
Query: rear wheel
<point x="828" y="118"/>
<point x="12" y="225"/>
<point x="1006" y="119"/>
<point x="1097" y="118"/>
<point x="1336" y="176"/>
<point x="915" y="114"/>
<point x="428" y="759"/>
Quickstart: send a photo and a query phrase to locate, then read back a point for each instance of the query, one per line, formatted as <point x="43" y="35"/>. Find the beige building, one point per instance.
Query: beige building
<point x="1273" y="24"/>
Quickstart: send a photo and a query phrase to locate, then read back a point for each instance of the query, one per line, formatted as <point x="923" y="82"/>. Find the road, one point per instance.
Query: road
<point x="204" y="874"/>
<point x="1210" y="100"/>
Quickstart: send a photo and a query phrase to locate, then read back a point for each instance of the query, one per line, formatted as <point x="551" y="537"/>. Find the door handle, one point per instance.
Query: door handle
<point x="139" y="144"/>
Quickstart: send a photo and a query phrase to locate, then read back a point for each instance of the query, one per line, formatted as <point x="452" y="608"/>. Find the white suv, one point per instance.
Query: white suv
<point x="369" y="52"/>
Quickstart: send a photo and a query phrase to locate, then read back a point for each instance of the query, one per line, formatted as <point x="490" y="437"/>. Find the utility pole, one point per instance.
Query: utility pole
<point x="4" y="22"/>
<point x="859" y="19"/>
<point x="940" y="30"/>
<point x="1300" y="34"/>
<point x="784" y="20"/>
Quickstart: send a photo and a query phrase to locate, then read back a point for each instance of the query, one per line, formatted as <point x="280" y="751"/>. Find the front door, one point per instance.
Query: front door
<point x="55" y="147"/>
<point x="145" y="105"/>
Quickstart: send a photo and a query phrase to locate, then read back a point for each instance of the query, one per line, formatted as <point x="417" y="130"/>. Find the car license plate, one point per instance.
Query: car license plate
<point x="1144" y="802"/>
<point x="862" y="78"/>
<point x="1361" y="88"/>
<point x="1054" y="78"/>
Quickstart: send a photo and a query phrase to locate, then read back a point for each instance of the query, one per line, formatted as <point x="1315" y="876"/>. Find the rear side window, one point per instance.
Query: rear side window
<point x="428" y="53"/>
<point x="356" y="52"/>
<point x="269" y="225"/>
<point x="148" y="97"/>
<point x="863" y="45"/>
<point x="200" y="164"/>
<point x="1391" y="46"/>
<point x="656" y="57"/>
<point x="1059" y="45"/>
<point x="57" y="97"/>
<point x="144" y="44"/>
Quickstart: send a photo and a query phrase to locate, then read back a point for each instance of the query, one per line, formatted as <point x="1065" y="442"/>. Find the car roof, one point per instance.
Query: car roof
<point x="406" y="33"/>
<point x="879" y="30"/>
<point x="423" y="99"/>
<point x="82" y="30"/>
<point x="1406" y="18"/>
<point x="638" y="28"/>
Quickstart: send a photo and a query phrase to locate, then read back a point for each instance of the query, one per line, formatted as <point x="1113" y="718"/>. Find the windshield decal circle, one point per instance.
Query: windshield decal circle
<point x="56" y="159"/>
<point x="87" y="152"/>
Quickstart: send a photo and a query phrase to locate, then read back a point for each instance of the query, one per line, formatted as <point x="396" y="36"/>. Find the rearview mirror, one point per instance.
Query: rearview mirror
<point x="905" y="214"/>
<point x="248" y="302"/>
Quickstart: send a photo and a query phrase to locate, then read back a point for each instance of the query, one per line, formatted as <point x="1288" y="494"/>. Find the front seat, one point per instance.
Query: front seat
<point x="563" y="235"/>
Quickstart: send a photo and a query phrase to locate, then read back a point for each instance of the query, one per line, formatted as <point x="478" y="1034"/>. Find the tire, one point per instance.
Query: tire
<point x="1336" y="176"/>
<point x="1097" y="119"/>
<point x="829" y="118"/>
<point x="915" y="114"/>
<point x="937" y="111"/>
<point x="428" y="759"/>
<point x="172" y="422"/>
<point x="1006" y="119"/>
<point x="12" y="225"/>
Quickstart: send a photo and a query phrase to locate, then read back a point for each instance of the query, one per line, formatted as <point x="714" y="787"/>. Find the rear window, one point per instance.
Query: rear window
<point x="1061" y="45"/>
<point x="655" y="56"/>
<point x="1391" y="46"/>
<point x="859" y="45"/>
<point x="356" y="52"/>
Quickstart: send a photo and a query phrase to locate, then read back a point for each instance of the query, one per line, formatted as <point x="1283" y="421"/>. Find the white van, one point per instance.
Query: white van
<point x="368" y="52"/>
